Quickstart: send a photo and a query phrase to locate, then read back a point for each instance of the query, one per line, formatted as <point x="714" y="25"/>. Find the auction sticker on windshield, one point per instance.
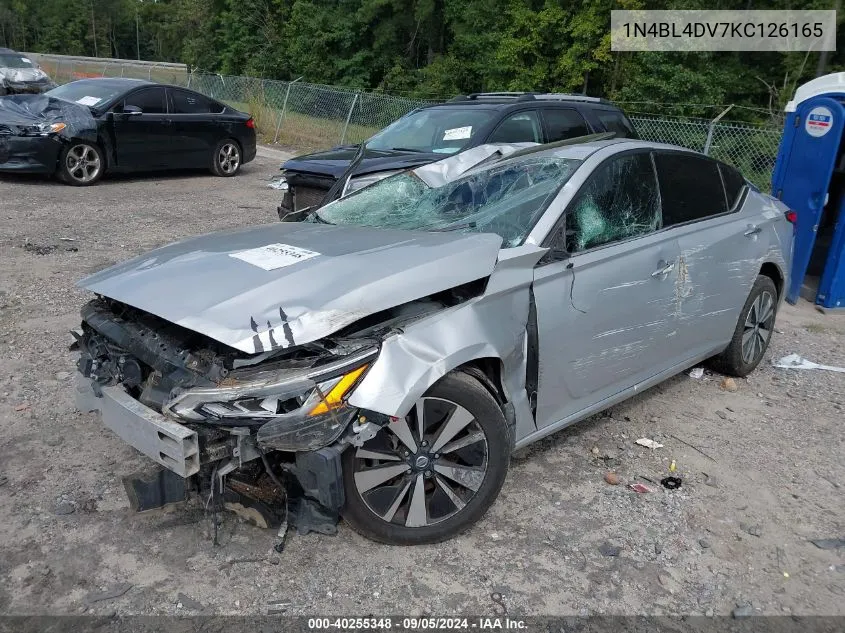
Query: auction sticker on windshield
<point x="273" y="256"/>
<point x="89" y="101"/>
<point x="457" y="133"/>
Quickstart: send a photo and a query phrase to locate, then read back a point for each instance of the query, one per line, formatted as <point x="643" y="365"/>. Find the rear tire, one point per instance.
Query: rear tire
<point x="81" y="164"/>
<point x="227" y="158"/>
<point x="753" y="331"/>
<point x="440" y="485"/>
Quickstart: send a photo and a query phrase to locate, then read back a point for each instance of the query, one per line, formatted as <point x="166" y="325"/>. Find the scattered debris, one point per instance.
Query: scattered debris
<point x="794" y="361"/>
<point x="22" y="407"/>
<point x="751" y="528"/>
<point x="281" y="184"/>
<point x="277" y="608"/>
<point x="638" y="487"/>
<point x="38" y="249"/>
<point x="829" y="543"/>
<point x="729" y="384"/>
<point x="67" y="239"/>
<point x="744" y="611"/>
<point x="189" y="603"/>
<point x="710" y="480"/>
<point x="110" y="594"/>
<point x="673" y="466"/>
<point x="705" y="544"/>
<point x="668" y="582"/>
<point x="3" y="480"/>
<point x="671" y="483"/>
<point x="65" y="507"/>
<point x="595" y="451"/>
<point x="697" y="372"/>
<point x="611" y="478"/>
<point x="693" y="447"/>
<point x="606" y="549"/>
<point x="722" y="414"/>
<point x="644" y="441"/>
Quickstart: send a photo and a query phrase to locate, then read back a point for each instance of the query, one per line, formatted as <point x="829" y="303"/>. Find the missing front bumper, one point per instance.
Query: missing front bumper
<point x="174" y="446"/>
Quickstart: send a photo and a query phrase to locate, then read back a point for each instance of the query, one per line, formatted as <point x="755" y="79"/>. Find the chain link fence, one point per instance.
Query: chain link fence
<point x="312" y="116"/>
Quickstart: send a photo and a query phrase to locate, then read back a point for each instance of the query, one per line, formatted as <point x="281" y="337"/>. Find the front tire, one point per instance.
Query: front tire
<point x="429" y="476"/>
<point x="81" y="164"/>
<point x="227" y="158"/>
<point x="753" y="331"/>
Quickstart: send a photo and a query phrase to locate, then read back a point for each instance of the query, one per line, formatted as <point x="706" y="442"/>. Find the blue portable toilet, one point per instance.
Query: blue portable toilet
<point x="809" y="177"/>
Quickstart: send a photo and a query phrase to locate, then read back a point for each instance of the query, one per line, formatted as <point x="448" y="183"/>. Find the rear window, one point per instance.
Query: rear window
<point x="616" y="122"/>
<point x="690" y="187"/>
<point x="734" y="184"/>
<point x="185" y="102"/>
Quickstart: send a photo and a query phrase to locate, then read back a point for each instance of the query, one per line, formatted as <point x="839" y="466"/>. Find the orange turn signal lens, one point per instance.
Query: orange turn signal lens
<point x="334" y="398"/>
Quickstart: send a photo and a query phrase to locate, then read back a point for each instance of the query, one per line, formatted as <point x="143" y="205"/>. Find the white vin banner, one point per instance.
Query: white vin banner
<point x="723" y="31"/>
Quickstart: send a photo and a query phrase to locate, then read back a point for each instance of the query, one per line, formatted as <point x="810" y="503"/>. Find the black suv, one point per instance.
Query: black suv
<point x="433" y="132"/>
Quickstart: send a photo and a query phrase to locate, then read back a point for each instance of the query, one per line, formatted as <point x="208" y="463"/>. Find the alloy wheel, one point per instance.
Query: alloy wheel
<point x="83" y="163"/>
<point x="229" y="158"/>
<point x="424" y="468"/>
<point x="758" y="327"/>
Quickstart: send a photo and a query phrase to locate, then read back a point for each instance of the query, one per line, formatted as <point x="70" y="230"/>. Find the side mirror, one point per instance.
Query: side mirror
<point x="130" y="109"/>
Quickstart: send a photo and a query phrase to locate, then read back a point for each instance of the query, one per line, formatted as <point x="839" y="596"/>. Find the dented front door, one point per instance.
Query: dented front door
<point x="603" y="323"/>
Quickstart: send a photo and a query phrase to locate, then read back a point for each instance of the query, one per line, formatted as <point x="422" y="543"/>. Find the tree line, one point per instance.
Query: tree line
<point x="425" y="48"/>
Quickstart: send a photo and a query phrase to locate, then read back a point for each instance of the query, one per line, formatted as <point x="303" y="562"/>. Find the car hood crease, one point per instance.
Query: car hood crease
<point x="199" y="283"/>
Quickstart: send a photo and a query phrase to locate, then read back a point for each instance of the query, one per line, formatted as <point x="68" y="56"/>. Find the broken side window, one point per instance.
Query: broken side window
<point x="619" y="201"/>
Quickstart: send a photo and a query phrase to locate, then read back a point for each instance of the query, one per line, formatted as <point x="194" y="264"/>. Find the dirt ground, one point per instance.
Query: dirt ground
<point x="765" y="479"/>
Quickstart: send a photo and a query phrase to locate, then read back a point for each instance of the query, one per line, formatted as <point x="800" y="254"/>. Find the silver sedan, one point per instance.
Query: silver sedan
<point x="383" y="356"/>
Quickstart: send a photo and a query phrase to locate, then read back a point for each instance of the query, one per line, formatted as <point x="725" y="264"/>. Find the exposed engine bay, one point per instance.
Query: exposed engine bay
<point x="268" y="428"/>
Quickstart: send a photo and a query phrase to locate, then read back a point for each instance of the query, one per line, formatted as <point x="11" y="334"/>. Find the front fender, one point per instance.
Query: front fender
<point x="490" y="326"/>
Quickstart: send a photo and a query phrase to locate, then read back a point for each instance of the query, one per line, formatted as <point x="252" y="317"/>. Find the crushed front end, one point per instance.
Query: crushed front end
<point x="258" y="431"/>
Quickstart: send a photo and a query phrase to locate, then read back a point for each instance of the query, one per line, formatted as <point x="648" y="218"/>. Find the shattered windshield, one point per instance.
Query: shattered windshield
<point x="439" y="130"/>
<point x="12" y="60"/>
<point x="505" y="199"/>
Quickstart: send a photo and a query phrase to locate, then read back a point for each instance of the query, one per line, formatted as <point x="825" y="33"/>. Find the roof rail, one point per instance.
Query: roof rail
<point x="561" y="96"/>
<point x="476" y="96"/>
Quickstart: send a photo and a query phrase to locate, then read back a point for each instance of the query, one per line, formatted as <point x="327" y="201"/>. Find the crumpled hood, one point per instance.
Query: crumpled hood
<point x="335" y="161"/>
<point x="20" y="111"/>
<point x="286" y="284"/>
<point x="22" y="75"/>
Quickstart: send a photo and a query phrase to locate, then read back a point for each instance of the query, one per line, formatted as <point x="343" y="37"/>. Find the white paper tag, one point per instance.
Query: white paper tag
<point x="457" y="133"/>
<point x="273" y="256"/>
<point x="26" y="60"/>
<point x="89" y="101"/>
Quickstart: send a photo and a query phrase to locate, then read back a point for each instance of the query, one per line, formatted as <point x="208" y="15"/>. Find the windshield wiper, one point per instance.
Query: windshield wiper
<point x="408" y="149"/>
<point x="318" y="219"/>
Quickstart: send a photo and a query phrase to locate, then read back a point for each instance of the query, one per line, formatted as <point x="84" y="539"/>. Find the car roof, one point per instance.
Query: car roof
<point x="581" y="151"/>
<point x="115" y="82"/>
<point x="7" y="50"/>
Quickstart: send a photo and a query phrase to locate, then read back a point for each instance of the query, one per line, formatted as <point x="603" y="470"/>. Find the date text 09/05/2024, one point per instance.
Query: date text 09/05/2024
<point x="418" y="624"/>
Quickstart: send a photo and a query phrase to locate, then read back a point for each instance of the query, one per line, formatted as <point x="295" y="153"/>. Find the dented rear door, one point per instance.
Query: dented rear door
<point x="722" y="246"/>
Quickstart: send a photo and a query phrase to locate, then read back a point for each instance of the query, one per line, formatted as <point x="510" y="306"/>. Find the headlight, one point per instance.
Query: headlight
<point x="354" y="184"/>
<point x="295" y="410"/>
<point x="43" y="129"/>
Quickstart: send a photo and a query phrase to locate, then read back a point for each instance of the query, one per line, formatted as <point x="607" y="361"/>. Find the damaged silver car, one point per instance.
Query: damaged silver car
<point x="381" y="358"/>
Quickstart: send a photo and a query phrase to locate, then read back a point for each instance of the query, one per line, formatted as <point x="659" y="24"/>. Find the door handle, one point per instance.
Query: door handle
<point x="663" y="269"/>
<point x="752" y="231"/>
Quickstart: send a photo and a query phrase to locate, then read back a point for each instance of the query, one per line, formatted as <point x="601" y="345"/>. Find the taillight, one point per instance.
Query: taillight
<point x="250" y="123"/>
<point x="792" y="216"/>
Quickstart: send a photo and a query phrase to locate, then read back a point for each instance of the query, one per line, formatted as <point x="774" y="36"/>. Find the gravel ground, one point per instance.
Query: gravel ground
<point x="764" y="479"/>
